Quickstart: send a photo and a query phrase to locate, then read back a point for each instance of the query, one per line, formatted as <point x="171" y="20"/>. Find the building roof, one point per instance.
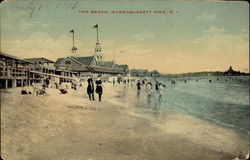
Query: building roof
<point x="41" y="59"/>
<point x="155" y="71"/>
<point x="13" y="57"/>
<point x="59" y="59"/>
<point x="105" y="69"/>
<point x="107" y="64"/>
<point x="84" y="60"/>
<point x="230" y="69"/>
<point x="123" y="66"/>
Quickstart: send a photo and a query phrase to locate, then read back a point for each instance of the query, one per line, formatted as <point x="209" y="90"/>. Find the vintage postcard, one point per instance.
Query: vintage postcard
<point x="124" y="80"/>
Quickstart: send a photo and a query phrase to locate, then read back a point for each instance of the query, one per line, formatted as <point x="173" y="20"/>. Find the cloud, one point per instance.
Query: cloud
<point x="40" y="44"/>
<point x="214" y="30"/>
<point x="207" y="16"/>
<point x="144" y="35"/>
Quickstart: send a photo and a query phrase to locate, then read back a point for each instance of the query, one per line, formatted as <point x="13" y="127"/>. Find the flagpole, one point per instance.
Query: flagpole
<point x="97" y="34"/>
<point x="73" y="40"/>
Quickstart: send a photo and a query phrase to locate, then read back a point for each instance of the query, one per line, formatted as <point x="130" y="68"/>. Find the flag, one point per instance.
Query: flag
<point x="96" y="26"/>
<point x="72" y="31"/>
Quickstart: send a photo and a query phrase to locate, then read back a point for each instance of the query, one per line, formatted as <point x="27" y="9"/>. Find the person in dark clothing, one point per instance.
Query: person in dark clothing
<point x="138" y="87"/>
<point x="157" y="86"/>
<point x="143" y="82"/>
<point x="98" y="90"/>
<point x="113" y="81"/>
<point x="90" y="89"/>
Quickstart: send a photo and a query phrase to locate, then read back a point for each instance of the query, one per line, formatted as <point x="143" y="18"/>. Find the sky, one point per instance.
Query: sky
<point x="190" y="37"/>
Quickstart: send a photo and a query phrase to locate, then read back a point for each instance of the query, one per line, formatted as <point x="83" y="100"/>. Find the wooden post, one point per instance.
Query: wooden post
<point x="13" y="83"/>
<point x="21" y="82"/>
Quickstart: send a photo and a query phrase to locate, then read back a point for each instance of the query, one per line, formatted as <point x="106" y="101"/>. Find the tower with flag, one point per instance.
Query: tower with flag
<point x="74" y="49"/>
<point x="98" y="48"/>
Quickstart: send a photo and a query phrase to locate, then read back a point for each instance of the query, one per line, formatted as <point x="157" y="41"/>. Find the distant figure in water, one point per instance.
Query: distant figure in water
<point x="226" y="80"/>
<point x="210" y="81"/>
<point x="90" y="89"/>
<point x="217" y="79"/>
<point x="185" y="81"/>
<point x="99" y="87"/>
<point x="143" y="82"/>
<point x="138" y="87"/>
<point x="160" y="91"/>
<point x="172" y="81"/>
<point x="157" y="86"/>
<point x="149" y="90"/>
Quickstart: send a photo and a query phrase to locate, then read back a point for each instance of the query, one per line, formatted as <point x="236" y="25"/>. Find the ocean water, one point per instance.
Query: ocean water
<point x="222" y="100"/>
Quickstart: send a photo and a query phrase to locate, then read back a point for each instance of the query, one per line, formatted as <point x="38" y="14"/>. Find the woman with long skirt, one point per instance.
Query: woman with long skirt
<point x="99" y="87"/>
<point x="90" y="89"/>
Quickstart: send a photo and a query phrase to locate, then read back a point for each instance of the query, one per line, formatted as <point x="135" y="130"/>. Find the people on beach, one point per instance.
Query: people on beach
<point x="160" y="91"/>
<point x="172" y="81"/>
<point x="90" y="89"/>
<point x="73" y="85"/>
<point x="149" y="89"/>
<point x="157" y="86"/>
<point x="138" y="84"/>
<point x="57" y="85"/>
<point x="99" y="87"/>
<point x="39" y="91"/>
<point x="25" y="90"/>
<point x="63" y="91"/>
<point x="143" y="82"/>
<point x="113" y="81"/>
<point x="35" y="89"/>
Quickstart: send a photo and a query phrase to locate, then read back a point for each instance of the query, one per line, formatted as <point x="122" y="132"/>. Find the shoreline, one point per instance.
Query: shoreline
<point x="71" y="127"/>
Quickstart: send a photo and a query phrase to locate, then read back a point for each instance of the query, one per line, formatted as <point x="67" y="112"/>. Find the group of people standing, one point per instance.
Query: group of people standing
<point x="149" y="88"/>
<point x="91" y="88"/>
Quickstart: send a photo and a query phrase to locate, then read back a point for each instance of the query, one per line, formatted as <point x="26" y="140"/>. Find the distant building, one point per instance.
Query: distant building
<point x="154" y="73"/>
<point x="88" y="65"/>
<point x="144" y="73"/>
<point x="139" y="72"/>
<point x="45" y="69"/>
<point x="231" y="72"/>
<point x="42" y="65"/>
<point x="125" y="69"/>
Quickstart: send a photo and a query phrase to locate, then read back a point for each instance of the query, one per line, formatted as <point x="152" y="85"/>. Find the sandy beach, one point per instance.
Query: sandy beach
<point x="70" y="127"/>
